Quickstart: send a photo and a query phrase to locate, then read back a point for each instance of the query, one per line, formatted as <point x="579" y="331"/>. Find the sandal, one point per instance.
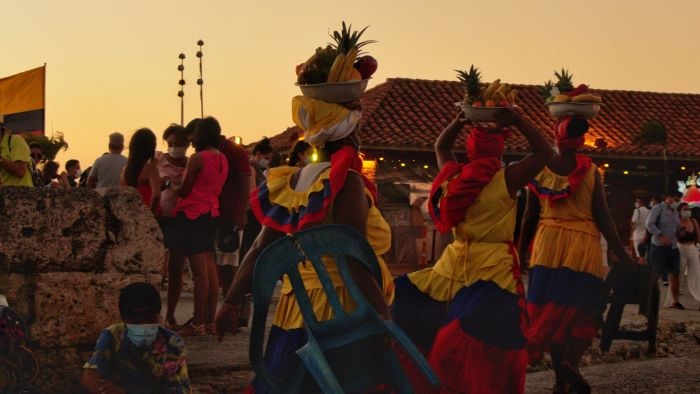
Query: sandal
<point x="190" y="329"/>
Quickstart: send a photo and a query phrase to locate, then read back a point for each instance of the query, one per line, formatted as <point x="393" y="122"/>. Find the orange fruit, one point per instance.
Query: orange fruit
<point x="477" y="104"/>
<point x="490" y="103"/>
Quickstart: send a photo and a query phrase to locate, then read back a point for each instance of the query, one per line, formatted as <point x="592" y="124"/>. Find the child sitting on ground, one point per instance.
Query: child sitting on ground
<point x="137" y="355"/>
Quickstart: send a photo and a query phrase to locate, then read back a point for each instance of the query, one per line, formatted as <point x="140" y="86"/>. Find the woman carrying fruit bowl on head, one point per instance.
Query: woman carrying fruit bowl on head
<point x="563" y="230"/>
<point x="329" y="191"/>
<point x="467" y="311"/>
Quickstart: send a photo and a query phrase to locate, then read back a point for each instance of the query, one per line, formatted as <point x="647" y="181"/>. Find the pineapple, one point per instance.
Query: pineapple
<point x="472" y="84"/>
<point x="546" y="89"/>
<point x="564" y="81"/>
<point x="346" y="39"/>
<point x="347" y="45"/>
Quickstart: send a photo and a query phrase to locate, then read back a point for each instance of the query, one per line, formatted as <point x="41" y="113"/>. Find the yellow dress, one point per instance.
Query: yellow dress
<point x="466" y="312"/>
<point x="566" y="276"/>
<point x="278" y="205"/>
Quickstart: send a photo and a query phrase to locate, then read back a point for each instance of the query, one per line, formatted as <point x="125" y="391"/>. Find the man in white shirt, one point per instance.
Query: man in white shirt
<point x="639" y="219"/>
<point x="107" y="169"/>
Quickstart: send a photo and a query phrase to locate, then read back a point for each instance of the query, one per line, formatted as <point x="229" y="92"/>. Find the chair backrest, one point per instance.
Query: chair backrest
<point x="283" y="256"/>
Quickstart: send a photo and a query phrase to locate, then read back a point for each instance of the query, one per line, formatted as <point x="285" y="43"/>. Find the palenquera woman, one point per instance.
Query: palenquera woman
<point x="467" y="311"/>
<point x="566" y="214"/>
<point x="330" y="191"/>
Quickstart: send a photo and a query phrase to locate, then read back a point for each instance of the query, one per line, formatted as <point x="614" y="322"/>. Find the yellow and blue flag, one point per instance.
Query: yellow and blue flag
<point x="22" y="98"/>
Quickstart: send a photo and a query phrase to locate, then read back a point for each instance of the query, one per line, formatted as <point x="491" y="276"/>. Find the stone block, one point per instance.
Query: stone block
<point x="136" y="242"/>
<point x="19" y="291"/>
<point x="47" y="230"/>
<point x="71" y="308"/>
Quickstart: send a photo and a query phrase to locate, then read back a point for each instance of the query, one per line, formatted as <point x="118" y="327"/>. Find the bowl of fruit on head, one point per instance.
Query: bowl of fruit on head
<point x="563" y="100"/>
<point x="481" y="101"/>
<point x="339" y="72"/>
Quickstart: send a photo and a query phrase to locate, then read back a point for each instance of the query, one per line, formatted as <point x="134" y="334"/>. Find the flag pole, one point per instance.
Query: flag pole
<point x="200" y="81"/>
<point x="181" y="93"/>
<point x="43" y="93"/>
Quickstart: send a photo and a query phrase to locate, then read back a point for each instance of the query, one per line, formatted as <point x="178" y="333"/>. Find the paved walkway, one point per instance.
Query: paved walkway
<point x="224" y="368"/>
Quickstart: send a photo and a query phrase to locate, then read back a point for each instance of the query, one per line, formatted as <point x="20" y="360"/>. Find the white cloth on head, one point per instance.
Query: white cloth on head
<point x="336" y="131"/>
<point x="322" y="121"/>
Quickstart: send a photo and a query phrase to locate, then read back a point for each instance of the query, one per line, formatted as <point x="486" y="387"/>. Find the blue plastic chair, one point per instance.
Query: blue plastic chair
<point x="343" y="354"/>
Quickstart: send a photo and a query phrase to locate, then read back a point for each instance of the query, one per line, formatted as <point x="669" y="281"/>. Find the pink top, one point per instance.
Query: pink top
<point x="166" y="169"/>
<point x="204" y="196"/>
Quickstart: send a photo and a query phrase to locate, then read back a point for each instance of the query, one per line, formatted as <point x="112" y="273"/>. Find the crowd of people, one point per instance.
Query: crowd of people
<point x="469" y="313"/>
<point x="666" y="236"/>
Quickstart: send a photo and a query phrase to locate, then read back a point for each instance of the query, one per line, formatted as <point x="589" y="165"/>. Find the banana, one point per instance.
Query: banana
<point x="493" y="86"/>
<point x="504" y="88"/>
<point x="587" y="98"/>
<point x="512" y="95"/>
<point x="499" y="96"/>
<point x="348" y="64"/>
<point x="561" y="98"/>
<point x="336" y="67"/>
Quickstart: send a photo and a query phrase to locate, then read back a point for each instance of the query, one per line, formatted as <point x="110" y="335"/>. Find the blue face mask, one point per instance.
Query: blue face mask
<point x="142" y="335"/>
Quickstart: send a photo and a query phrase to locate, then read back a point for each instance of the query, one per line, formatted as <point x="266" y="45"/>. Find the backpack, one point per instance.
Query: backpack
<point x="37" y="179"/>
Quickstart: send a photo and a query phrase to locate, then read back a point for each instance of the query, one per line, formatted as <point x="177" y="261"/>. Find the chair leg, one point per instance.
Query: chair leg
<point x="612" y="325"/>
<point x="653" y="320"/>
<point x="397" y="376"/>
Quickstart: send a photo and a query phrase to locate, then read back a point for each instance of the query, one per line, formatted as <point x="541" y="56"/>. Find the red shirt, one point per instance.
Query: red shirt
<point x="230" y="200"/>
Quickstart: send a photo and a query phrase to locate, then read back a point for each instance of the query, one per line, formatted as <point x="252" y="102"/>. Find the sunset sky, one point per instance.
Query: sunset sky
<point x="112" y="66"/>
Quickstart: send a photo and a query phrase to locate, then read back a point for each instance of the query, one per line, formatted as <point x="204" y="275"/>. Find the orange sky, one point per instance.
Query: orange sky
<point x="112" y="66"/>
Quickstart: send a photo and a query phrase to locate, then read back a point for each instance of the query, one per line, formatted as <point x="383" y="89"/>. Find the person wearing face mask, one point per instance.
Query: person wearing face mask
<point x="688" y="239"/>
<point x="300" y="155"/>
<point x="638" y="224"/>
<point x="663" y="223"/>
<point x="137" y="355"/>
<point x="171" y="168"/>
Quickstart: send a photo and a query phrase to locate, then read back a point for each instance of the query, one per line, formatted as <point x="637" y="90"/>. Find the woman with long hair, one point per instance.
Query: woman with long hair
<point x="300" y="154"/>
<point x="195" y="211"/>
<point x="563" y="229"/>
<point x="467" y="312"/>
<point x="330" y="191"/>
<point x="140" y="170"/>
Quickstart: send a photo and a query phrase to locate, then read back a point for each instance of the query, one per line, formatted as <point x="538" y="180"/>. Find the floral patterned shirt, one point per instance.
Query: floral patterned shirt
<point x="162" y="368"/>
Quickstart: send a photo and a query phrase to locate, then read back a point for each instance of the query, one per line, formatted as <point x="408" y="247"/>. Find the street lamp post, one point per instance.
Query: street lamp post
<point x="181" y="93"/>
<point x="200" y="81"/>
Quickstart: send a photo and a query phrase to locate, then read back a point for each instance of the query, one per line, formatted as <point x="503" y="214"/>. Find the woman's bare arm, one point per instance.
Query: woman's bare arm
<point x="444" y="144"/>
<point x="605" y="222"/>
<point x="521" y="173"/>
<point x="194" y="165"/>
<point x="531" y="218"/>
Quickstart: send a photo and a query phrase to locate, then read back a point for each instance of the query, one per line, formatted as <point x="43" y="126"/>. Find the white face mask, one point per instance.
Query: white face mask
<point x="142" y="335"/>
<point x="686" y="214"/>
<point x="177" y="152"/>
<point x="306" y="159"/>
<point x="263" y="162"/>
<point x="78" y="173"/>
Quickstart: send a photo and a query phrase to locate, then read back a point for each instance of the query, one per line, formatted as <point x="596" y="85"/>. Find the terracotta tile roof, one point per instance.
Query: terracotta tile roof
<point x="408" y="114"/>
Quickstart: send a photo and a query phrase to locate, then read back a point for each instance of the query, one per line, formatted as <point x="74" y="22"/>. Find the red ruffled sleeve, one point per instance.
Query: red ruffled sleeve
<point x="457" y="187"/>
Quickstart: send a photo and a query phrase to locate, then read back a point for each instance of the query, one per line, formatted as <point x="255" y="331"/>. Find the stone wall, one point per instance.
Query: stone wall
<point x="64" y="256"/>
